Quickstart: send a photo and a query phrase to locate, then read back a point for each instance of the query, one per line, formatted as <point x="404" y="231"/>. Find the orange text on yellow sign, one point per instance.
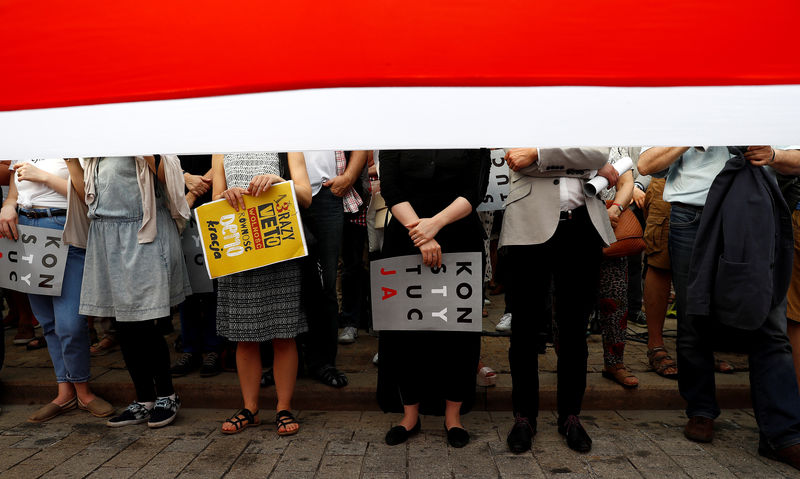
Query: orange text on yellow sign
<point x="268" y="230"/>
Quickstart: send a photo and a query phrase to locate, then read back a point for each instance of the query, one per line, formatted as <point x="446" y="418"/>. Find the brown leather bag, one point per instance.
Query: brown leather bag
<point x="629" y="236"/>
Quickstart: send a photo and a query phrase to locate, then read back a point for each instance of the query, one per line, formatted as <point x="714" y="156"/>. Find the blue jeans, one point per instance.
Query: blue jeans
<point x="773" y="384"/>
<point x="66" y="331"/>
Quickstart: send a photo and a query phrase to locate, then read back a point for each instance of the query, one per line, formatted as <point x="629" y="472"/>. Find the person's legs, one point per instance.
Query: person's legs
<point x="325" y="218"/>
<point x="656" y="294"/>
<point x="695" y="354"/>
<point x="612" y="304"/>
<point x="285" y="371"/>
<point x="793" y="332"/>
<point x="248" y="368"/>
<point x="133" y="340"/>
<point x="528" y="281"/>
<point x="774" y="389"/>
<point x="353" y="240"/>
<point x="576" y="276"/>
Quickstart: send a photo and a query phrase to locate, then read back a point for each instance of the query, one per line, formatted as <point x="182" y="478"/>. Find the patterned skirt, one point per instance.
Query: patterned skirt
<point x="262" y="304"/>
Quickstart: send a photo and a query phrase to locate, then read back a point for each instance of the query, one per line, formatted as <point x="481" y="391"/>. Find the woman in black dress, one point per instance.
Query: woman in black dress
<point x="432" y="195"/>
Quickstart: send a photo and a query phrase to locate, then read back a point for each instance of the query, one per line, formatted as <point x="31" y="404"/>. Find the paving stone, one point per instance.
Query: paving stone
<point x="272" y="446"/>
<point x="8" y="441"/>
<point x="516" y="466"/>
<point x="614" y="467"/>
<point x="14" y="455"/>
<point x="339" y="467"/>
<point x="302" y="455"/>
<point x="380" y="458"/>
<point x="292" y="475"/>
<point x="188" y="445"/>
<point x="166" y="464"/>
<point x="46" y="459"/>
<point x="475" y="458"/>
<point x="139" y="453"/>
<point x="217" y="458"/>
<point x="252" y="465"/>
<point x="345" y="448"/>
<point x="428" y="466"/>
<point x="702" y="466"/>
<point x="113" y="473"/>
<point x="81" y="464"/>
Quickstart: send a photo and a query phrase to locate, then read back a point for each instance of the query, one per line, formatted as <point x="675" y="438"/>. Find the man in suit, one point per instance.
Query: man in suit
<point x="553" y="234"/>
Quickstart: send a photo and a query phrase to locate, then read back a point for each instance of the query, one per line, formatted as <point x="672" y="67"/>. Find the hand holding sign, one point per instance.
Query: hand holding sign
<point x="234" y="197"/>
<point x="8" y="222"/>
<point x="261" y="183"/>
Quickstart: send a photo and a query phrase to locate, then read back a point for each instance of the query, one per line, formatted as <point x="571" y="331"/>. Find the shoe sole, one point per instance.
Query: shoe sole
<point x="23" y="342"/>
<point x="165" y="422"/>
<point x="125" y="423"/>
<point x="502" y="330"/>
<point x="347" y="341"/>
<point x="704" y="440"/>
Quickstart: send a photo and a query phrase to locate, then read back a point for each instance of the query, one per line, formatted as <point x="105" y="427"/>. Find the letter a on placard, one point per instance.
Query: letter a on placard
<point x="387" y="293"/>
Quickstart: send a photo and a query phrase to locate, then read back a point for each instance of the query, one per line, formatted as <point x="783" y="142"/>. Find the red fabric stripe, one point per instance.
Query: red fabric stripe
<point x="61" y="53"/>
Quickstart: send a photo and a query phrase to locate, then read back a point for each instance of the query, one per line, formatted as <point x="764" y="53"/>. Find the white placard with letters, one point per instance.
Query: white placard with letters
<point x="407" y="295"/>
<point x="195" y="262"/>
<point x="34" y="263"/>
<point x="499" y="179"/>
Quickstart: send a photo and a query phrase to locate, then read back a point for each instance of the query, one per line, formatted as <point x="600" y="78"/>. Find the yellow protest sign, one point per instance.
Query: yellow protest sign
<point x="268" y="230"/>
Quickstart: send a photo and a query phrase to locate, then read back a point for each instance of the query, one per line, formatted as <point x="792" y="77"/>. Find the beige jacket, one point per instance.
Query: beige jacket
<point x="77" y="225"/>
<point x="533" y="204"/>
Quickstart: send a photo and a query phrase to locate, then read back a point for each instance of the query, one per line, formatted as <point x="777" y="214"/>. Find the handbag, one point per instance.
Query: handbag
<point x="629" y="235"/>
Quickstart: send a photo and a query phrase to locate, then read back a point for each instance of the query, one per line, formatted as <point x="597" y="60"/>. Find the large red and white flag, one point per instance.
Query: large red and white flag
<point x="125" y="77"/>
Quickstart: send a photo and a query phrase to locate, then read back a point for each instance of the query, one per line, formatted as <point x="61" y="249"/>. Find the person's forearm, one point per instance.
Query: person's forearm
<point x="624" y="189"/>
<point x="404" y="213"/>
<point x="659" y="158"/>
<point x="11" y="200"/>
<point x="57" y="184"/>
<point x="355" y="165"/>
<point x="787" y="162"/>
<point x="454" y="212"/>
<point x="76" y="176"/>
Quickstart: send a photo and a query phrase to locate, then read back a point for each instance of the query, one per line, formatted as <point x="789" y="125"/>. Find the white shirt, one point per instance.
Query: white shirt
<point x="30" y="193"/>
<point x="571" y="193"/>
<point x="321" y="167"/>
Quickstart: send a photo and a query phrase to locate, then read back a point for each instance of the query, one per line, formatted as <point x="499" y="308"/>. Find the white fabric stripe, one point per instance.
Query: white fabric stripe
<point x="380" y="118"/>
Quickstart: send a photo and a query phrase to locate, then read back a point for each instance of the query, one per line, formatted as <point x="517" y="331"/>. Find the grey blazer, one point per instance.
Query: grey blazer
<point x="533" y="204"/>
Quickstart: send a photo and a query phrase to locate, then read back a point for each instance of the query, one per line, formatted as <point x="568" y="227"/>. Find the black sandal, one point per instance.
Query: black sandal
<point x="241" y="423"/>
<point x="285" y="418"/>
<point x="331" y="376"/>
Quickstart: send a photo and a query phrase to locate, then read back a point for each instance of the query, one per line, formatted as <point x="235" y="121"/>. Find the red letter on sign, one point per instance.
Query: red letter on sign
<point x="384" y="272"/>
<point x="387" y="293"/>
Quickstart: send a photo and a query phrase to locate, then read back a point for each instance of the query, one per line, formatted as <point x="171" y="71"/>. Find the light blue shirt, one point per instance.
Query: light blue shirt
<point x="690" y="176"/>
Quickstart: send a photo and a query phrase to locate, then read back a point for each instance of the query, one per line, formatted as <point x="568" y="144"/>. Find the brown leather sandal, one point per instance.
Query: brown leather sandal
<point x="661" y="361"/>
<point x="622" y="375"/>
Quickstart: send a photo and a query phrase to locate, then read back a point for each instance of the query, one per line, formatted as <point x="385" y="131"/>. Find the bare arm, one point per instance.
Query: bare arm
<point x="76" y="175"/>
<point x="30" y="172"/>
<point x="786" y="162"/>
<point x="659" y="158"/>
<point x="5" y="172"/>
<point x="299" y="174"/>
<point x="219" y="184"/>
<point x="8" y="214"/>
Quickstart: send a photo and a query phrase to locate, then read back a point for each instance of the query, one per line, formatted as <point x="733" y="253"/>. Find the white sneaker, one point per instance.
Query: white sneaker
<point x="505" y="323"/>
<point x="348" y="336"/>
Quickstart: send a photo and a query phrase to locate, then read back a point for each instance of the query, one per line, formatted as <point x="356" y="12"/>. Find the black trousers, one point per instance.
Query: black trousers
<point x="147" y="358"/>
<point x="571" y="260"/>
<point x="355" y="279"/>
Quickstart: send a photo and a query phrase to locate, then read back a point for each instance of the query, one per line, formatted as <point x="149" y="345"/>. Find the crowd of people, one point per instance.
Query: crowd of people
<point x="719" y="226"/>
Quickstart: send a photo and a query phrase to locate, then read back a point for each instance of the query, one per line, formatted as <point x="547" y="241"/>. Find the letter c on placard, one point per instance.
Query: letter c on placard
<point x="413" y="312"/>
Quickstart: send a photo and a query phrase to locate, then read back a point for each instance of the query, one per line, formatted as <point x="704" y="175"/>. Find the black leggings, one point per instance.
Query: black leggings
<point x="147" y="358"/>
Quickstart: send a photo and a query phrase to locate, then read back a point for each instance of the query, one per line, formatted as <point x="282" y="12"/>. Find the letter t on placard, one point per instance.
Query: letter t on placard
<point x="442" y="291"/>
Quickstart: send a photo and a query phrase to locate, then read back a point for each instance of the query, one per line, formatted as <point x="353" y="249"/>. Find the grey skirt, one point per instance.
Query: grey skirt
<point x="130" y="281"/>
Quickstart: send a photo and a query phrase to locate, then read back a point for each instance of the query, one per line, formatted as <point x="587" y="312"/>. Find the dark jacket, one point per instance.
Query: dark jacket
<point x="741" y="264"/>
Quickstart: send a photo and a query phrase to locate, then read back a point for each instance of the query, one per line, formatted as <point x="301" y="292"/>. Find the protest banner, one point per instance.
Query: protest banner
<point x="497" y="192"/>
<point x="34" y="263"/>
<point x="268" y="230"/>
<point x="407" y="295"/>
<point x="195" y="262"/>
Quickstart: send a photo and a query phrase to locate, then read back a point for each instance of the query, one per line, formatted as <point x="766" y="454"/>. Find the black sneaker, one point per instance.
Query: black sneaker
<point x="136" y="413"/>
<point x="164" y="412"/>
<point x="185" y="364"/>
<point x="211" y="366"/>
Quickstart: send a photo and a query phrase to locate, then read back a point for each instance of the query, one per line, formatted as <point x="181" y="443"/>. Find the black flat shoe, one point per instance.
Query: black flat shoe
<point x="456" y="436"/>
<point x="520" y="438"/>
<point x="577" y="437"/>
<point x="399" y="434"/>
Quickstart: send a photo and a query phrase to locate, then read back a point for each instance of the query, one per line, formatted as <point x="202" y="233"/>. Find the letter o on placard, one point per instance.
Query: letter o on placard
<point x="412" y="312"/>
<point x="49" y="260"/>
<point x="198" y="259"/>
<point x="461" y="287"/>
<point x="234" y="251"/>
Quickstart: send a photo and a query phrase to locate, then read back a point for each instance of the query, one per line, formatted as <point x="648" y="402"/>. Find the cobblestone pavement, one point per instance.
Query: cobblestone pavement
<point x="350" y="445"/>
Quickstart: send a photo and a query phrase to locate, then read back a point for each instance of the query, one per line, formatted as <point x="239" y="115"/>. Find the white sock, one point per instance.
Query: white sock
<point x="171" y="396"/>
<point x="148" y="405"/>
